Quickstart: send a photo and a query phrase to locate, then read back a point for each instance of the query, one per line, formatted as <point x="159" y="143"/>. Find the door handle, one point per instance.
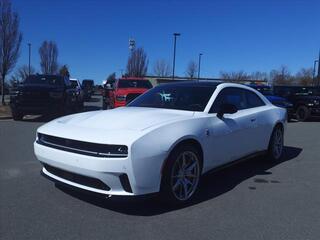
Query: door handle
<point x="253" y="119"/>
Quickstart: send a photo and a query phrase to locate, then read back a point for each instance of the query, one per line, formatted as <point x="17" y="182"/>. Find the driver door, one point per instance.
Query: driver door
<point x="231" y="135"/>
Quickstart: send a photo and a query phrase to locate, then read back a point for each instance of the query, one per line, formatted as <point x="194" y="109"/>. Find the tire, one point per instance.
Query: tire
<point x="176" y="187"/>
<point x="17" y="116"/>
<point x="275" y="149"/>
<point x="303" y="113"/>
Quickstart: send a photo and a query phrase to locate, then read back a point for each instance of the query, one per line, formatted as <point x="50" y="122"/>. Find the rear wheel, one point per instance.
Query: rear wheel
<point x="303" y="113"/>
<point x="181" y="175"/>
<point x="275" y="149"/>
<point x="17" y="115"/>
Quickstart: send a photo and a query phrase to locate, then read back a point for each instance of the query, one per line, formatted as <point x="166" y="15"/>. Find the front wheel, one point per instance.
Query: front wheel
<point x="275" y="150"/>
<point x="303" y="113"/>
<point x="181" y="175"/>
<point x="17" y="116"/>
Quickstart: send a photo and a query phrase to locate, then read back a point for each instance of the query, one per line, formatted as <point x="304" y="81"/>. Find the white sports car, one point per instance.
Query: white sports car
<point x="163" y="141"/>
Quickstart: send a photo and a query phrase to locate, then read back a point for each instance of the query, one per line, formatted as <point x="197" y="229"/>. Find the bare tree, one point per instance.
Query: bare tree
<point x="305" y="77"/>
<point x="263" y="76"/>
<point x="64" y="71"/>
<point x="48" y="57"/>
<point x="10" y="40"/>
<point x="22" y="73"/>
<point x="236" y="76"/>
<point x="281" y="76"/>
<point x="137" y="65"/>
<point x="162" y="68"/>
<point x="192" y="69"/>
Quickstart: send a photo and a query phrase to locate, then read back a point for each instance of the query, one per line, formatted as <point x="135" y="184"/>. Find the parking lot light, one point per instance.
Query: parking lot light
<point x="200" y="54"/>
<point x="174" y="53"/>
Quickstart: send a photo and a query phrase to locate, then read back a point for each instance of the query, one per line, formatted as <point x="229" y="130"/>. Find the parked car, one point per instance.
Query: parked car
<point x="127" y="89"/>
<point x="43" y="94"/>
<point x="305" y="100"/>
<point x="88" y="88"/>
<point x="274" y="99"/>
<point x="163" y="141"/>
<point x="75" y="83"/>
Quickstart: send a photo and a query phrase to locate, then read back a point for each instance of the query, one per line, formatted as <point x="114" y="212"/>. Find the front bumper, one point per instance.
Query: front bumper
<point x="315" y="111"/>
<point x="117" y="174"/>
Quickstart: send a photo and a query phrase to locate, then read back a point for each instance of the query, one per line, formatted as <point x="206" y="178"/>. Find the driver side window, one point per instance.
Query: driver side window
<point x="229" y="95"/>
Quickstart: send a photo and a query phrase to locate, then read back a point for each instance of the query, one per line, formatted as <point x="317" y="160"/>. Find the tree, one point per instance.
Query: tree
<point x="111" y="77"/>
<point x="281" y="76"/>
<point x="64" y="71"/>
<point x="305" y="77"/>
<point x="10" y="41"/>
<point x="22" y="73"/>
<point x="48" y="57"/>
<point x="263" y="76"/>
<point x="192" y="69"/>
<point x="235" y="76"/>
<point x="137" y="65"/>
<point x="162" y="68"/>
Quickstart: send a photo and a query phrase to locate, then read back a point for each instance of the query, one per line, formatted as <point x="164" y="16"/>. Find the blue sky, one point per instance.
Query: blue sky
<point x="92" y="36"/>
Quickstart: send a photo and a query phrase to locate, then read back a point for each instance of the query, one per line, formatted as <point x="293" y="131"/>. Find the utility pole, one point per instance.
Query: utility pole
<point x="199" y="65"/>
<point x="318" y="77"/>
<point x="174" y="53"/>
<point x="29" y="45"/>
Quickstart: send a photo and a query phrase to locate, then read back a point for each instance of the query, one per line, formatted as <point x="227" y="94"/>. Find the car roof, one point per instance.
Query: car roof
<point x="193" y="83"/>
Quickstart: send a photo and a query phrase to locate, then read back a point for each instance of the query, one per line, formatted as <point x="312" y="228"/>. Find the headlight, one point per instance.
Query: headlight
<point x="56" y="94"/>
<point x="121" y="98"/>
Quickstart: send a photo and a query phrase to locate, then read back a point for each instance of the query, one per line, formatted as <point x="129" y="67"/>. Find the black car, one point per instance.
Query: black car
<point x="43" y="94"/>
<point x="88" y="88"/>
<point x="274" y="99"/>
<point x="305" y="100"/>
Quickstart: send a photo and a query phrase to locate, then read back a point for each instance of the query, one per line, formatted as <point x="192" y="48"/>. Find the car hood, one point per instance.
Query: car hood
<point x="117" y="126"/>
<point x="130" y="118"/>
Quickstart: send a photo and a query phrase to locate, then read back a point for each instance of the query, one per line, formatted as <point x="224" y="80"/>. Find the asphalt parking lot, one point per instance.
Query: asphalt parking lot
<point x="252" y="200"/>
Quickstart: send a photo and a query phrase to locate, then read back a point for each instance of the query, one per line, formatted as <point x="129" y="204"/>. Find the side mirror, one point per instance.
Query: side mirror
<point x="226" y="108"/>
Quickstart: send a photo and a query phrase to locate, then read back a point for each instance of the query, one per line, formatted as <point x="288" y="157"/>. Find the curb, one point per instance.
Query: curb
<point x="5" y="117"/>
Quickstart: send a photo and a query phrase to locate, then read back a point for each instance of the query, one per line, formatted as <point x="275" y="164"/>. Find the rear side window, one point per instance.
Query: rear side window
<point x="253" y="100"/>
<point x="234" y="96"/>
<point x="241" y="98"/>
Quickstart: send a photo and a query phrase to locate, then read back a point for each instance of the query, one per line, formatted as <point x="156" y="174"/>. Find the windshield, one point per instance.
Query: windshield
<point x="171" y="96"/>
<point x="74" y="83"/>
<point x="134" y="84"/>
<point x="87" y="83"/>
<point x="51" y="80"/>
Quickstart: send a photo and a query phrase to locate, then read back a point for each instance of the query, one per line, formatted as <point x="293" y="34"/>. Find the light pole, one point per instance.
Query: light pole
<point x="314" y="68"/>
<point x="29" y="45"/>
<point x="199" y="65"/>
<point x="319" y="69"/>
<point x="174" y="53"/>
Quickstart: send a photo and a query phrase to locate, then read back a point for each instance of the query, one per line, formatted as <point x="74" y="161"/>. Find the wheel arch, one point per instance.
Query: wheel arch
<point x="184" y="141"/>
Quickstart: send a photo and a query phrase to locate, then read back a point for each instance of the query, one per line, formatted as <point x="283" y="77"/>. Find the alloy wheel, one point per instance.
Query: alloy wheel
<point x="277" y="147"/>
<point x="185" y="175"/>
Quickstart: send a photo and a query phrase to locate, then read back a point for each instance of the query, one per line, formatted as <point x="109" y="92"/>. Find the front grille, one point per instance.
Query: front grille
<point x="84" y="148"/>
<point x="77" y="178"/>
<point x="132" y="96"/>
<point x="34" y="98"/>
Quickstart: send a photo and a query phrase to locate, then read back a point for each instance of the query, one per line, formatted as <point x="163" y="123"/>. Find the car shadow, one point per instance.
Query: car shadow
<point x="212" y="185"/>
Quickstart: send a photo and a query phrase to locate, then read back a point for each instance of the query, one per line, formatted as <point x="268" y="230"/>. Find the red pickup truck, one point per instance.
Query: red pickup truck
<point x="124" y="90"/>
